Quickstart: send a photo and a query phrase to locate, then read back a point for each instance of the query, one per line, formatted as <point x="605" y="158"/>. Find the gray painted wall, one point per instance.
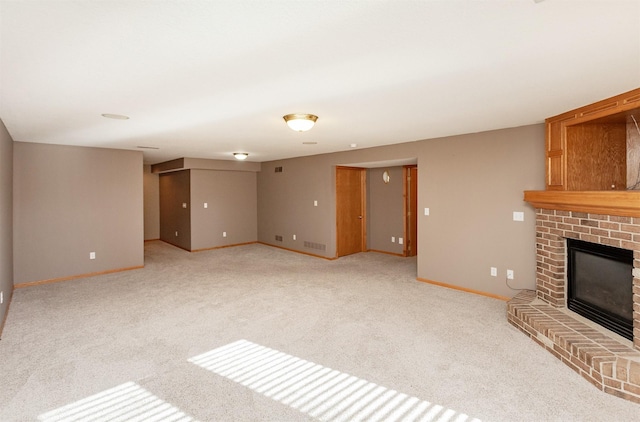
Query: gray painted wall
<point x="70" y="201"/>
<point x="151" y="204"/>
<point x="471" y="183"/>
<point x="231" y="198"/>
<point x="385" y="210"/>
<point x="6" y="218"/>
<point x="175" y="220"/>
<point x="286" y="203"/>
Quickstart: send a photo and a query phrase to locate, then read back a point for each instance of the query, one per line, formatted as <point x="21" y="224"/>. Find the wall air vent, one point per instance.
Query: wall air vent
<point x="278" y="238"/>
<point x="278" y="169"/>
<point x="317" y="246"/>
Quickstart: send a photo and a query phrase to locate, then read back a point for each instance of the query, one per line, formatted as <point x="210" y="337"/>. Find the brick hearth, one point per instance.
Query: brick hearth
<point x="606" y="360"/>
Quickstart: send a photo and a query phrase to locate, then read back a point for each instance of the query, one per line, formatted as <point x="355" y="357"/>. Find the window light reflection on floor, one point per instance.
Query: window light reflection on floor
<point x="315" y="390"/>
<point x="127" y="402"/>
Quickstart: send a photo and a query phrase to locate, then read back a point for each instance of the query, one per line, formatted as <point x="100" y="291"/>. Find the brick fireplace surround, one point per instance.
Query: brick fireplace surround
<point x="606" y="360"/>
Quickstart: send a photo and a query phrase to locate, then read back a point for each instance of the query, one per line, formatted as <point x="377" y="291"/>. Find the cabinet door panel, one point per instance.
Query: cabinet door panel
<point x="555" y="176"/>
<point x="554" y="137"/>
<point x="556" y="153"/>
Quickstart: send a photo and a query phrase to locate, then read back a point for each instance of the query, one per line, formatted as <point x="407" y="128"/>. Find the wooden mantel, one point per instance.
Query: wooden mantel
<point x="615" y="202"/>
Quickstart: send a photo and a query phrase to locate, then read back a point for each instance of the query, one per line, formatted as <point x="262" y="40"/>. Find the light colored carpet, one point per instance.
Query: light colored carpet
<point x="423" y="351"/>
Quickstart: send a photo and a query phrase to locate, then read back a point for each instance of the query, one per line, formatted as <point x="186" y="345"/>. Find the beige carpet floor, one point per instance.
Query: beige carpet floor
<point x="255" y="333"/>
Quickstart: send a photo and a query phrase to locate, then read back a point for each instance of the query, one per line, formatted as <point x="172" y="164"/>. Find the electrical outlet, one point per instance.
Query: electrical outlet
<point x="176" y="233"/>
<point x="400" y="241"/>
<point x="294" y="237"/>
<point x="393" y="239"/>
<point x="510" y="274"/>
<point x="206" y="205"/>
<point x="518" y="216"/>
<point x="315" y="203"/>
<point x="224" y="234"/>
<point x="92" y="255"/>
<point x="426" y="211"/>
<point x="494" y="272"/>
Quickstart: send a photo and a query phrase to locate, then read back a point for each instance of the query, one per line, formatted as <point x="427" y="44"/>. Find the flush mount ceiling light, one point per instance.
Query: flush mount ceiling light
<point x="240" y="155"/>
<point x="300" y="122"/>
<point x="115" y="116"/>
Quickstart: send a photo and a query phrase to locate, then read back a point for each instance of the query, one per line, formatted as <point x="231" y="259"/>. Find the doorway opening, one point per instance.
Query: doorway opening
<point x="376" y="208"/>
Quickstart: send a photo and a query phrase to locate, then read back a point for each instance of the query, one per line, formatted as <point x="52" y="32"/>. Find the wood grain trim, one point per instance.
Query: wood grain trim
<point x="300" y="252"/>
<point x="73" y="277"/>
<point x="4" y="319"/>
<point x="632" y="98"/>
<point x="601" y="107"/>
<point x="224" y="246"/>
<point x="464" y="289"/>
<point x="622" y="102"/>
<point x="619" y="203"/>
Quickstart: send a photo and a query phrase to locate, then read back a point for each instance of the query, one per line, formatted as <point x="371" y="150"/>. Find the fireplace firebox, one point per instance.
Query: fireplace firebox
<point x="600" y="285"/>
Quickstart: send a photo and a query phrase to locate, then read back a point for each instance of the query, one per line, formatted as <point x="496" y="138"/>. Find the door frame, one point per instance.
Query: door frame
<point x="410" y="210"/>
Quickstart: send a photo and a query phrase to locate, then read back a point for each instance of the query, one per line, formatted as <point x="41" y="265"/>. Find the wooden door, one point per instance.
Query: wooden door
<point x="350" y="210"/>
<point x="411" y="210"/>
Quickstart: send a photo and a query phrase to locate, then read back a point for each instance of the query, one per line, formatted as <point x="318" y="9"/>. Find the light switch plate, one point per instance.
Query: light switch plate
<point x="518" y="216"/>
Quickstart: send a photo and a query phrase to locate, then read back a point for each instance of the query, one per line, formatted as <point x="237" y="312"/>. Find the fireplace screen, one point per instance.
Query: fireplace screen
<point x="600" y="285"/>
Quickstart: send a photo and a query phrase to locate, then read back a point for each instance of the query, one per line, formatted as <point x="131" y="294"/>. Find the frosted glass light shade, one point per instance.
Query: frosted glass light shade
<point x="300" y="122"/>
<point x="240" y="155"/>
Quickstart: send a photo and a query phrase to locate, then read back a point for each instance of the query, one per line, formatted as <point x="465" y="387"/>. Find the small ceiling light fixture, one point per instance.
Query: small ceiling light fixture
<point x="300" y="122"/>
<point x="240" y="155"/>
<point x="115" y="116"/>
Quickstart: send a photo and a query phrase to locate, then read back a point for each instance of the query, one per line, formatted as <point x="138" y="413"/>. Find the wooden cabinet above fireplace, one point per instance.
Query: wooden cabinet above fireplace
<point x="593" y="159"/>
<point x="595" y="147"/>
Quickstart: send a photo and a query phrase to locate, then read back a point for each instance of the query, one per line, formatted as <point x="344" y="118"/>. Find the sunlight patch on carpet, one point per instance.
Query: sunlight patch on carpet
<point x="127" y="402"/>
<point x="318" y="391"/>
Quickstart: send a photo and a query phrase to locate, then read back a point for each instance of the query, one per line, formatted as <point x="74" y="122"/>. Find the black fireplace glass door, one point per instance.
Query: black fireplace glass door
<point x="596" y="284"/>
<point x="601" y="283"/>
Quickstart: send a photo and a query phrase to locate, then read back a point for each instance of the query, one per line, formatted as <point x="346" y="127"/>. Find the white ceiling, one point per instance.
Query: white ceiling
<point x="207" y="78"/>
